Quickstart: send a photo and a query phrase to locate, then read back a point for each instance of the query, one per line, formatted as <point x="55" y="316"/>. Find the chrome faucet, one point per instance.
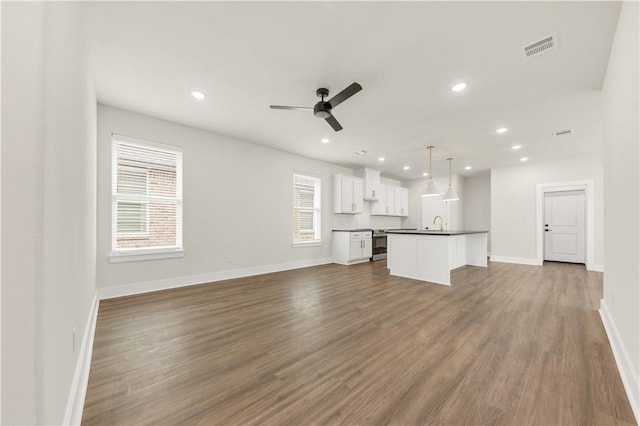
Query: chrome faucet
<point x="434" y="221"/>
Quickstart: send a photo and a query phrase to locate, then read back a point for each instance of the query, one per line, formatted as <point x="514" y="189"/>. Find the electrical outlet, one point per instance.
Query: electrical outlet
<point x="73" y="340"/>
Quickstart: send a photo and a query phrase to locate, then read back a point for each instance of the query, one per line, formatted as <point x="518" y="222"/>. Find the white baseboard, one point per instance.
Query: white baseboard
<point x="596" y="267"/>
<point x="165" y="284"/>
<point x="78" y="391"/>
<point x="623" y="360"/>
<point x="519" y="260"/>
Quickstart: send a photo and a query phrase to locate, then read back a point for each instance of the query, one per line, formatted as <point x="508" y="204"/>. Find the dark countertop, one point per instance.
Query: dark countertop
<point x="352" y="230"/>
<point x="434" y="232"/>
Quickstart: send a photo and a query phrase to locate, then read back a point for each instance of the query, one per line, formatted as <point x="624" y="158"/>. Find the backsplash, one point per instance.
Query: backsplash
<point x="364" y="220"/>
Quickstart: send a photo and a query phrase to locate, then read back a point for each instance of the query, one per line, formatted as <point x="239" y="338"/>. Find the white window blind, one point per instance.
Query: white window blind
<point x="146" y="196"/>
<point x="306" y="208"/>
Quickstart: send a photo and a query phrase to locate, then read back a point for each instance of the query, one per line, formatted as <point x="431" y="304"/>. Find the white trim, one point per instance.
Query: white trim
<point x="623" y="360"/>
<point x="136" y="256"/>
<point x="78" y="391"/>
<point x="165" y="284"/>
<point x="587" y="186"/>
<point x="596" y="267"/>
<point x="309" y="243"/>
<point x="518" y="260"/>
<point x="176" y="149"/>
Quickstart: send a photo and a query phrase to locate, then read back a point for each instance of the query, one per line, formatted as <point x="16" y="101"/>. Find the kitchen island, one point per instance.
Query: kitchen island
<point x="429" y="255"/>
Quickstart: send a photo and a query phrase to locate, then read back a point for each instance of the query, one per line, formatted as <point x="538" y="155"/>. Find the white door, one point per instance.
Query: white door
<point x="367" y="249"/>
<point x="391" y="201"/>
<point x="564" y="226"/>
<point x="347" y="194"/>
<point x="358" y="194"/>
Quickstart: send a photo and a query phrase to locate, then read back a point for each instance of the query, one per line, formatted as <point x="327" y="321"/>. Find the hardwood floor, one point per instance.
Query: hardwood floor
<point x="509" y="344"/>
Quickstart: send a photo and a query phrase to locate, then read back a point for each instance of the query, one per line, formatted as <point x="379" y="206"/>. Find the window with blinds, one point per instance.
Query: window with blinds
<point x="146" y="196"/>
<point x="306" y="208"/>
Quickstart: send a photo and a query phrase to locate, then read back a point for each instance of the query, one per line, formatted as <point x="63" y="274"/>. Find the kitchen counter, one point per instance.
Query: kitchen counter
<point x="352" y="230"/>
<point x="430" y="255"/>
<point x="434" y="232"/>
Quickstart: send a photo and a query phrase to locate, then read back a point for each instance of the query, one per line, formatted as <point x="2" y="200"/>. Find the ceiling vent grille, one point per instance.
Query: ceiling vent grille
<point x="541" y="47"/>
<point x="563" y="132"/>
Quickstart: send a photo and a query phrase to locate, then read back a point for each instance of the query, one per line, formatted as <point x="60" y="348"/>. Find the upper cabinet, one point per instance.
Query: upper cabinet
<point x="401" y="202"/>
<point x="348" y="192"/>
<point x="371" y="183"/>
<point x="392" y="201"/>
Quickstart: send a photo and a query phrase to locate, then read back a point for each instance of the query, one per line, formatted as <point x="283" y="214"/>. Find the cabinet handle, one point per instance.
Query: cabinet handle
<point x="374" y="193"/>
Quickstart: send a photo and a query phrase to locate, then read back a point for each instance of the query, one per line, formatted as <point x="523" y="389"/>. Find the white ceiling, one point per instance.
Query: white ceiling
<point x="148" y="56"/>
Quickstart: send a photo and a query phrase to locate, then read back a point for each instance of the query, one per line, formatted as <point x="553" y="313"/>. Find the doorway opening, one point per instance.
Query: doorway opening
<point x="565" y="222"/>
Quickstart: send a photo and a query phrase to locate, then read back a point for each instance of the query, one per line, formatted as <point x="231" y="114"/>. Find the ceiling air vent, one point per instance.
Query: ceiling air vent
<point x="562" y="132"/>
<point x="541" y="47"/>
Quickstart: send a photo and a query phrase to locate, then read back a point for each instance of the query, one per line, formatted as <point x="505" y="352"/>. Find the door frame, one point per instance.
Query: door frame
<point x="587" y="186"/>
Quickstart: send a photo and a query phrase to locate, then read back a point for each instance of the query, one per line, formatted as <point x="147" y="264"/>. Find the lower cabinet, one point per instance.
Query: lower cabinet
<point x="349" y="247"/>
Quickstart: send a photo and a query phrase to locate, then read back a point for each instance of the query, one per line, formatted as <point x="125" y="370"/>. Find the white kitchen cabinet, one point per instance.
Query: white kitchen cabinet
<point x="348" y="192"/>
<point x="371" y="180"/>
<point x="349" y="247"/>
<point x="401" y="201"/>
<point x="392" y="201"/>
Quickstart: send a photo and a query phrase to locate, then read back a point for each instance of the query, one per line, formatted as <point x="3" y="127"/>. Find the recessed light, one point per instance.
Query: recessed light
<point x="406" y="167"/>
<point x="381" y="159"/>
<point x="468" y="168"/>
<point x="325" y="140"/>
<point x="523" y="159"/>
<point x="198" y="95"/>
<point x="516" y="147"/>
<point x="501" y="130"/>
<point x="458" y="87"/>
<point x="425" y="174"/>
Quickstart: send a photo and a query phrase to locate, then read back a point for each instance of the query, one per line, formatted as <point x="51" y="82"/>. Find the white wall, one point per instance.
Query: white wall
<point x="221" y="231"/>
<point x="622" y="192"/>
<point x="48" y="196"/>
<point x="22" y="85"/>
<point x="513" y="203"/>
<point x="477" y="204"/>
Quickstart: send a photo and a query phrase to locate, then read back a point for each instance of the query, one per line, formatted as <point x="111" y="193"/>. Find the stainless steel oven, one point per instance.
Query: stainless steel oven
<point x="379" y="246"/>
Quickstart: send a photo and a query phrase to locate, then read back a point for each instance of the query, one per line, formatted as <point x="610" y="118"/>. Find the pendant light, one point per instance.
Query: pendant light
<point x="430" y="189"/>
<point x="450" y="195"/>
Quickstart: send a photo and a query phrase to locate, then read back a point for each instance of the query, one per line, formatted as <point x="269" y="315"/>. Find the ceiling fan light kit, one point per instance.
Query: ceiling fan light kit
<point x="430" y="189"/>
<point x="323" y="108"/>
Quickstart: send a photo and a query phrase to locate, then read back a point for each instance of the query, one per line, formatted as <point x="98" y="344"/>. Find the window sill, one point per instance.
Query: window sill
<point x="314" y="243"/>
<point x="136" y="256"/>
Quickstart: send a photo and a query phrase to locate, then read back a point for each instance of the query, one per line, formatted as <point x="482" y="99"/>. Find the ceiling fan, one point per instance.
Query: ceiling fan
<point x="323" y="108"/>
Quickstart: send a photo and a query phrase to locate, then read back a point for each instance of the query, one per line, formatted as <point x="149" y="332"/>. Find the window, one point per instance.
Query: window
<point x="146" y="199"/>
<point x="306" y="209"/>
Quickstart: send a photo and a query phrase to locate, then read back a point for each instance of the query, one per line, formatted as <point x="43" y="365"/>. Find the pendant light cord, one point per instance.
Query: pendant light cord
<point x="430" y="170"/>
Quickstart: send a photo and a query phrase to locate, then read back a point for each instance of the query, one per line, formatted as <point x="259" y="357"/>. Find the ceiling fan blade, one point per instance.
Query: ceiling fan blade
<point x="333" y="123"/>
<point x="351" y="90"/>
<point x="288" y="107"/>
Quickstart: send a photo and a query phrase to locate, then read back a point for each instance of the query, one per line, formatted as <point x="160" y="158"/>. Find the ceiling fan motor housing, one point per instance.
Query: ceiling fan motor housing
<point x="322" y="109"/>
